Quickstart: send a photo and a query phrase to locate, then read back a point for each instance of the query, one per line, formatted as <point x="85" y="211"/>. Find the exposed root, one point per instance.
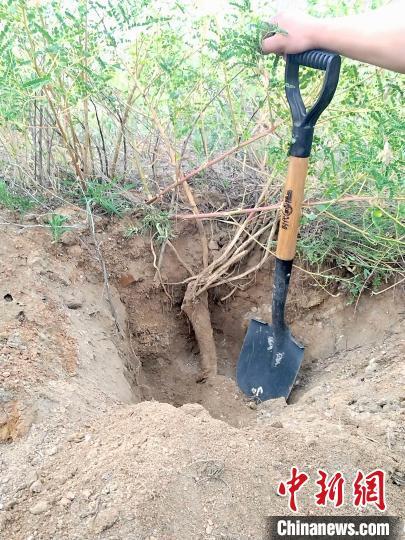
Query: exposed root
<point x="156" y="266"/>
<point x="179" y="258"/>
<point x="198" y="313"/>
<point x="101" y="260"/>
<point x="225" y="269"/>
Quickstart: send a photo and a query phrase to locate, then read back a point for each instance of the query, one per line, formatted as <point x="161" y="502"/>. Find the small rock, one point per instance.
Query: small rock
<point x="70" y="495"/>
<point x="194" y="409"/>
<point x="39" y="508"/>
<point x="15" y="342"/>
<point x="36" y="487"/>
<point x="64" y="502"/>
<point x="31" y="477"/>
<point x="309" y="301"/>
<point x="126" y="280"/>
<point x="310" y="441"/>
<point x="105" y="520"/>
<point x="75" y="251"/>
<point x="10" y="504"/>
<point x="37" y="460"/>
<point x="398" y="478"/>
<point x="76" y="437"/>
<point x="92" y="454"/>
<point x="371" y="368"/>
<point x="74" y="304"/>
<point x="277" y="424"/>
<point x="61" y="479"/>
<point x="6" y="374"/>
<point x="83" y="514"/>
<point x="273" y="407"/>
<point x="69" y="239"/>
<point x="86" y="494"/>
<point x="52" y="451"/>
<point x="213" y="245"/>
<point x="392" y="406"/>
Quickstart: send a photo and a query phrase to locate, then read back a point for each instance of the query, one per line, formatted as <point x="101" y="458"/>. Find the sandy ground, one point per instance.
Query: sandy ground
<point x="105" y="433"/>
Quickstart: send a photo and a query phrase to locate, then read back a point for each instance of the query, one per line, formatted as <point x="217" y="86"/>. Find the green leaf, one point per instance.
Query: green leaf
<point x="38" y="82"/>
<point x="42" y="31"/>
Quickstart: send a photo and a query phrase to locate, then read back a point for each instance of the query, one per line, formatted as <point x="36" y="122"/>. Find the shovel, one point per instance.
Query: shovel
<point x="271" y="358"/>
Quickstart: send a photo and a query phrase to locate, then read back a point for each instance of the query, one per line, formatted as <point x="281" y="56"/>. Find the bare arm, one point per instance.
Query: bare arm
<point x="376" y="37"/>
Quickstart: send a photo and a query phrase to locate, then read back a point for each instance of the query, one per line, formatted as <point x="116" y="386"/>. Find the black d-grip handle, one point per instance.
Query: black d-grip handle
<point x="304" y="120"/>
<point x="313" y="59"/>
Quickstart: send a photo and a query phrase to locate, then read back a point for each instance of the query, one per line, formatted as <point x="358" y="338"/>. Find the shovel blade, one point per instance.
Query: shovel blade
<point x="266" y="369"/>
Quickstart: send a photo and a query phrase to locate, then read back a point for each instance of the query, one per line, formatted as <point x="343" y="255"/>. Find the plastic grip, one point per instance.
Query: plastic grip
<point x="314" y="59"/>
<point x="304" y="118"/>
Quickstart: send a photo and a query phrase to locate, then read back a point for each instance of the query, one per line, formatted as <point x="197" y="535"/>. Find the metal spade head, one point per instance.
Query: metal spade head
<point x="268" y="364"/>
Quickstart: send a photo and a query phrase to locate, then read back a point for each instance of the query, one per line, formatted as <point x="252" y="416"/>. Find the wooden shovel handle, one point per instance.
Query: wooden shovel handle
<point x="291" y="208"/>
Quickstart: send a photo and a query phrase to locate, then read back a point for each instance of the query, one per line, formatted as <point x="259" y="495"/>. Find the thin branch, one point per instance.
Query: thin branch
<point x="211" y="163"/>
<point x="388" y="288"/>
<point x="240" y="211"/>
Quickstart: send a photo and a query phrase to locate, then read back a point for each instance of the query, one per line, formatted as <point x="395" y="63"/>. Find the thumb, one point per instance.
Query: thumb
<point x="273" y="44"/>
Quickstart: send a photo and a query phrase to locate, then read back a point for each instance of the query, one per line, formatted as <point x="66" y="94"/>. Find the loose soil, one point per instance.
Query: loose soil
<point x="105" y="432"/>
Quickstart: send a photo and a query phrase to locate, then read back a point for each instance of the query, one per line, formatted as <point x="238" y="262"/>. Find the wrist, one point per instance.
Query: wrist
<point x="321" y="33"/>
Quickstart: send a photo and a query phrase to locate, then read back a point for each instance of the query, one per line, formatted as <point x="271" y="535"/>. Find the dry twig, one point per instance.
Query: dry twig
<point x="211" y="163"/>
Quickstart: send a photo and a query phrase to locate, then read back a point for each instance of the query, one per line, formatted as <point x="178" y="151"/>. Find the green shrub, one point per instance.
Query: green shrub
<point x="12" y="201"/>
<point x="56" y="224"/>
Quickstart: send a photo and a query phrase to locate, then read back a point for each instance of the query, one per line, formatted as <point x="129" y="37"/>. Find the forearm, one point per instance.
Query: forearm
<point x="376" y="38"/>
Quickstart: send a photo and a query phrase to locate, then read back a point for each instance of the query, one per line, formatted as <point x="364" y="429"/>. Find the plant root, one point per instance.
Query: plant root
<point x="198" y="313"/>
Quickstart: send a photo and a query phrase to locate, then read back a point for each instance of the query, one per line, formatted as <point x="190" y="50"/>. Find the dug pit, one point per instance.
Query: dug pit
<point x="164" y="343"/>
<point x="85" y="452"/>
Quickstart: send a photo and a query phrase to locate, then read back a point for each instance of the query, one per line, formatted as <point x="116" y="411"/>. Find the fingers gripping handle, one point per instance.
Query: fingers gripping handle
<point x="304" y="120"/>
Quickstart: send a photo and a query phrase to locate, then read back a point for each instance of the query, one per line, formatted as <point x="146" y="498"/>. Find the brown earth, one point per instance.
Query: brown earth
<point x="105" y="432"/>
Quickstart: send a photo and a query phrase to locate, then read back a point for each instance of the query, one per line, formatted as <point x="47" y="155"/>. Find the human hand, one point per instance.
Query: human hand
<point x="302" y="31"/>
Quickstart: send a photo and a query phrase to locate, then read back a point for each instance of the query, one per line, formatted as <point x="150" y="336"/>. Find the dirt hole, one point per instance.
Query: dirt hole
<point x="163" y="357"/>
<point x="164" y="343"/>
